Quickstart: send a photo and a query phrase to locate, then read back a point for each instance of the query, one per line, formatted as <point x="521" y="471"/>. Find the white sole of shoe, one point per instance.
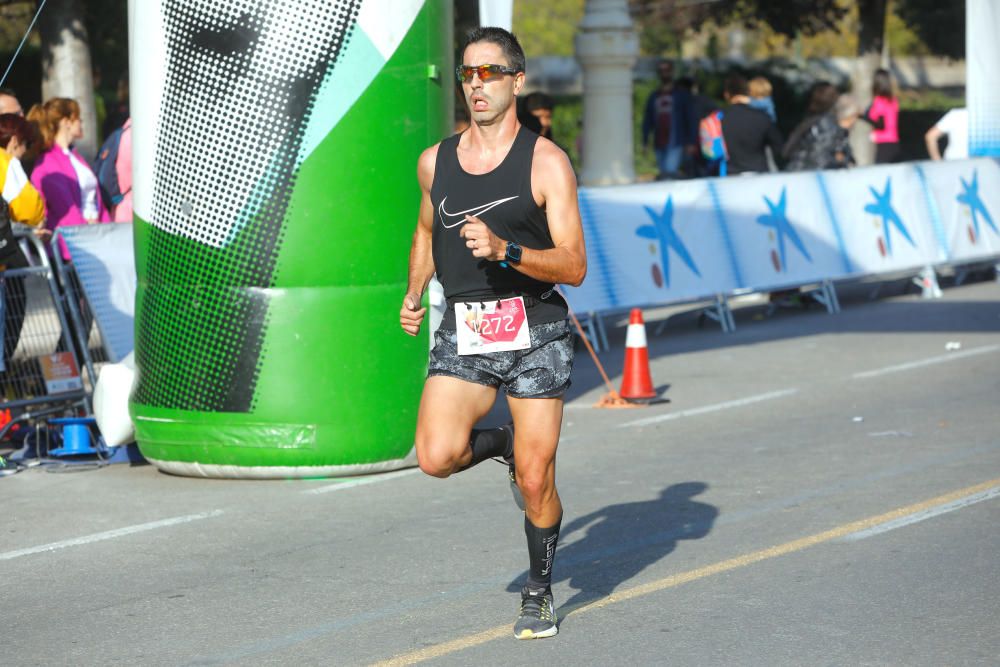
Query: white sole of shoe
<point x="528" y="634"/>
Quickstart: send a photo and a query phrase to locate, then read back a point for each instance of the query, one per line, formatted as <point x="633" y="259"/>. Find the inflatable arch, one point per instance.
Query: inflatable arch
<point x="275" y="147"/>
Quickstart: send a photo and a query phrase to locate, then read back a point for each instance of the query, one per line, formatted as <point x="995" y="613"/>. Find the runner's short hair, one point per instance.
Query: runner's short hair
<point x="502" y="38"/>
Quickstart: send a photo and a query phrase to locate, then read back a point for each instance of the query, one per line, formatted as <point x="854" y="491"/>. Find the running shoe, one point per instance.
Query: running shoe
<point x="538" y="615"/>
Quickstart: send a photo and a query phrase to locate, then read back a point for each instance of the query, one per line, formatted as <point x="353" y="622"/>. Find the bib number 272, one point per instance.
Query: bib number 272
<point x="492" y="326"/>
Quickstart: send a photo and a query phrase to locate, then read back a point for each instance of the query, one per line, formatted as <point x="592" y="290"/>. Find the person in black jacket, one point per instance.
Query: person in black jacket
<point x="747" y="131"/>
<point x="821" y="140"/>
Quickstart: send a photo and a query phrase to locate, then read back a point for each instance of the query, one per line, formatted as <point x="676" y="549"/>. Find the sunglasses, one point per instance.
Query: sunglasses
<point x="485" y="72"/>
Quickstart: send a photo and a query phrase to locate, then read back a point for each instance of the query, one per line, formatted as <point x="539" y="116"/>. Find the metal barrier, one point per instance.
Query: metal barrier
<point x="42" y="373"/>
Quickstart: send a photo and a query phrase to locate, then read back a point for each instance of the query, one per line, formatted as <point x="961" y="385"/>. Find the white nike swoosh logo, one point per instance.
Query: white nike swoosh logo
<point x="475" y="210"/>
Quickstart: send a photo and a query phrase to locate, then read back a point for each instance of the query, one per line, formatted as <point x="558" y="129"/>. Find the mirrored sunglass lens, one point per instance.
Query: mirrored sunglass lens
<point x="487" y="72"/>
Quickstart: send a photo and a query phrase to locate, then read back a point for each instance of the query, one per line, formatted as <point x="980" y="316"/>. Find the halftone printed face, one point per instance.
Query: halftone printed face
<point x="241" y="79"/>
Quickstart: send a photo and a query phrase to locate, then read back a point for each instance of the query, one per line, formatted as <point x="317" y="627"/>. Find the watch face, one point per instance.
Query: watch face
<point x="513" y="252"/>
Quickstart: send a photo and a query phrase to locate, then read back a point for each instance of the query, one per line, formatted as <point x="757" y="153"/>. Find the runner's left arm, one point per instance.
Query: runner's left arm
<point x="553" y="180"/>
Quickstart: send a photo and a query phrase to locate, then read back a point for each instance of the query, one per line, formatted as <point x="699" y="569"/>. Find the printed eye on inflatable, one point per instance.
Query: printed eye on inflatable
<point x="275" y="147"/>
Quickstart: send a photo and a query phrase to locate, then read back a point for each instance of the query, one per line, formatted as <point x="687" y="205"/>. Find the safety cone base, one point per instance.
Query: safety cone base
<point x="614" y="401"/>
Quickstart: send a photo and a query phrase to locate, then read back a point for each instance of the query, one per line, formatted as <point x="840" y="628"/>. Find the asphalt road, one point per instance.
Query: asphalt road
<point x="820" y="490"/>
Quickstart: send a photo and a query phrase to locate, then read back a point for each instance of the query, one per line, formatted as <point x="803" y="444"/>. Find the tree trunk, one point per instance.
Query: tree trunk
<point x="66" y="69"/>
<point x="871" y="14"/>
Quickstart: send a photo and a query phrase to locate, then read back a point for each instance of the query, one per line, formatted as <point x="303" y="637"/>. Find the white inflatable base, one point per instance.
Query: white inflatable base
<point x="114" y="384"/>
<point x="194" y="469"/>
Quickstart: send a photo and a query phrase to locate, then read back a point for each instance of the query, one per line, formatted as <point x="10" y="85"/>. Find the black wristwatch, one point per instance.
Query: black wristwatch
<point x="513" y="253"/>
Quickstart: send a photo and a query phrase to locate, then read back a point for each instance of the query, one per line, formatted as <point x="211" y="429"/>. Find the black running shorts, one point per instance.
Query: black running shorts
<point x="541" y="371"/>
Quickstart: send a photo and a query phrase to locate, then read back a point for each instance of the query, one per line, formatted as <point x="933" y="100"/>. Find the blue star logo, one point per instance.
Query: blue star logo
<point x="976" y="206"/>
<point x="662" y="230"/>
<point x="883" y="208"/>
<point x="778" y="221"/>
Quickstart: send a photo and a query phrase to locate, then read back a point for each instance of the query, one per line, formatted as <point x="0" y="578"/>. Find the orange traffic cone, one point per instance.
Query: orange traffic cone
<point x="637" y="385"/>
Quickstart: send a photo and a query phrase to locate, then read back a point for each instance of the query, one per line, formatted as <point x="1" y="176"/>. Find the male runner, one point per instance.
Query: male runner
<point x="499" y="223"/>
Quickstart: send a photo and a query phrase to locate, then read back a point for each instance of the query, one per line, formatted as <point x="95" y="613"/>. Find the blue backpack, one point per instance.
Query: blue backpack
<point x="107" y="174"/>
<point x="713" y="144"/>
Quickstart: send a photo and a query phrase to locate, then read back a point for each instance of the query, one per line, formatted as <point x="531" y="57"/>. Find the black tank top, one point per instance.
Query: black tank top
<point x="502" y="199"/>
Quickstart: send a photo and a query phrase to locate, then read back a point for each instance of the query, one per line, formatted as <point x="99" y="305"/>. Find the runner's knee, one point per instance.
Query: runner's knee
<point x="437" y="458"/>
<point x="536" y="486"/>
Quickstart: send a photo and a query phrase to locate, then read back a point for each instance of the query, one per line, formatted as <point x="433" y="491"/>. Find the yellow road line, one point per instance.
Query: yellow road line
<point x="498" y="632"/>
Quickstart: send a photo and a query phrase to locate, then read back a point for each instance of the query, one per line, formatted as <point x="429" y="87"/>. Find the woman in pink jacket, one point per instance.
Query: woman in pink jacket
<point x="64" y="178"/>
<point x="883" y="114"/>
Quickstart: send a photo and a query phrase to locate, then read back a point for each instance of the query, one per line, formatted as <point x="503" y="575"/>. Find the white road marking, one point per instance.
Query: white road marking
<point x="925" y="362"/>
<point x="352" y="482"/>
<point x="924" y="515"/>
<point x="715" y="407"/>
<point x="109" y="535"/>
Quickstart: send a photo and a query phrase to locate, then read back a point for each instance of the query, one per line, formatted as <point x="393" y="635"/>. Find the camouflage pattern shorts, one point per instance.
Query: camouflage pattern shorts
<point x="541" y="371"/>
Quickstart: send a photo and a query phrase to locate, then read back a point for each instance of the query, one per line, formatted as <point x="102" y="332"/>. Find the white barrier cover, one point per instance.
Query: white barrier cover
<point x="884" y="218"/>
<point x="665" y="242"/>
<point x="781" y="230"/>
<point x="967" y="195"/>
<point x="651" y="243"/>
<point x="104" y="259"/>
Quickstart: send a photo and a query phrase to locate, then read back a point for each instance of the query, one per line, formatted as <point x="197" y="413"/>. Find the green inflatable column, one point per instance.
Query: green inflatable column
<point x="275" y="147"/>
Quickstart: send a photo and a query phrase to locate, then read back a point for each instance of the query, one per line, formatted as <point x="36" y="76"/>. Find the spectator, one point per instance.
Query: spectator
<point x="122" y="211"/>
<point x="810" y="145"/>
<point x="9" y="102"/>
<point x="61" y="174"/>
<point x="760" y="96"/>
<point x="694" y="163"/>
<point x="701" y="104"/>
<point x="531" y="122"/>
<point x="955" y="126"/>
<point x="540" y="106"/>
<point x="746" y="131"/>
<point x="669" y="121"/>
<point x="883" y="114"/>
<point x="21" y="203"/>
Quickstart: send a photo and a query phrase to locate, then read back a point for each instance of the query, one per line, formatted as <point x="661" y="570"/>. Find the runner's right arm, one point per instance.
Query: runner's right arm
<point x="411" y="315"/>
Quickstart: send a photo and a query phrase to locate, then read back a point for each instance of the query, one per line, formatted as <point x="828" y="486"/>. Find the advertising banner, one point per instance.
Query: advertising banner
<point x="275" y="147"/>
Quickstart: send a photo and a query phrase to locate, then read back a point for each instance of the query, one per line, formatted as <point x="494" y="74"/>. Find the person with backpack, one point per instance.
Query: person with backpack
<point x="66" y="181"/>
<point x="113" y="167"/>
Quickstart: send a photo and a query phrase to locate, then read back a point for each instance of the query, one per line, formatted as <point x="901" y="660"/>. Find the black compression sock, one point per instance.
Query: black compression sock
<point x="490" y="443"/>
<point x="541" y="553"/>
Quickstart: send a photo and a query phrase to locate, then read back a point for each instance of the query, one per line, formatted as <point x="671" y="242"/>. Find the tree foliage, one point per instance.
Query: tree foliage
<point x="940" y="24"/>
<point x="547" y="28"/>
<point x="786" y="17"/>
<point x="106" y="22"/>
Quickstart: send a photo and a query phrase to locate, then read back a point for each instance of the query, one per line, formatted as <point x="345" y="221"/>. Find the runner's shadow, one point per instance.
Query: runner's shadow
<point x="622" y="540"/>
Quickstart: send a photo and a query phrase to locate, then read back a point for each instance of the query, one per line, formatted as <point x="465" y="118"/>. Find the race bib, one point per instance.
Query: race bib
<point x="491" y="326"/>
